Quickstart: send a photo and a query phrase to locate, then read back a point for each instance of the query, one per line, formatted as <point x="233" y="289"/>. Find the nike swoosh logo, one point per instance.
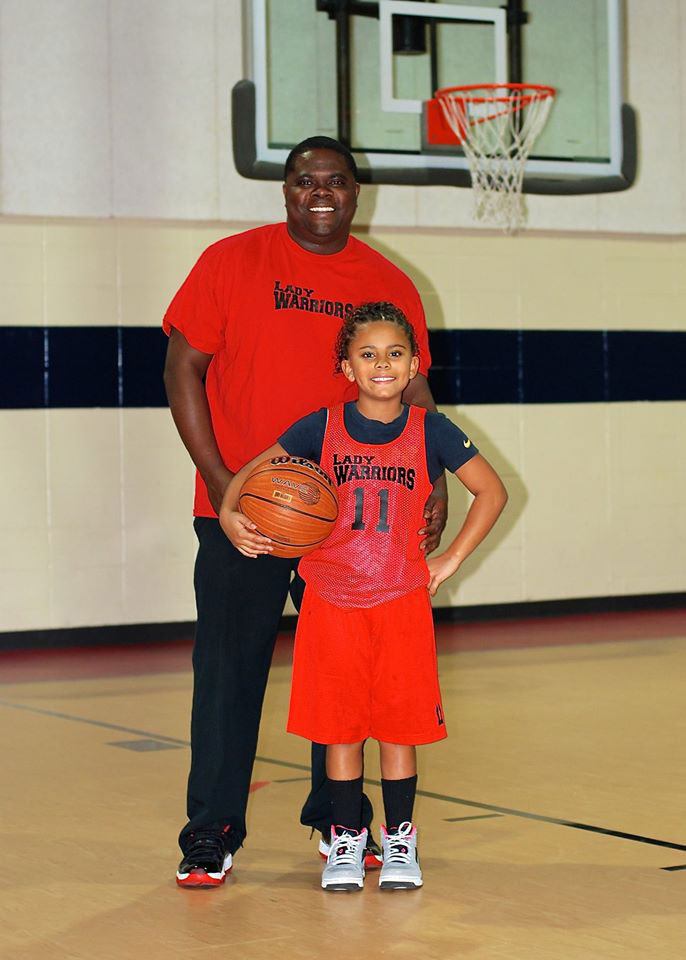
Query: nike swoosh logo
<point x="466" y="443"/>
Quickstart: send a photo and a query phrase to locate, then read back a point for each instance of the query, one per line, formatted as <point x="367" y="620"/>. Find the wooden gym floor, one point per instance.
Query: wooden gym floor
<point x="552" y="821"/>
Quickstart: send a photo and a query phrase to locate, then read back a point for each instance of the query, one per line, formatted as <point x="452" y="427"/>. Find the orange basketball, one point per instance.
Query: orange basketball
<point x="292" y="501"/>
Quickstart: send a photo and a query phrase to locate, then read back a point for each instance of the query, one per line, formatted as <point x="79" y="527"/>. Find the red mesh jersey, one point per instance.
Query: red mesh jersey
<point x="373" y="554"/>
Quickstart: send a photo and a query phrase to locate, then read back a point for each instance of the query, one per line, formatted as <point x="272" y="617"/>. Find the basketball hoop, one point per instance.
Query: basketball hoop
<point x="497" y="125"/>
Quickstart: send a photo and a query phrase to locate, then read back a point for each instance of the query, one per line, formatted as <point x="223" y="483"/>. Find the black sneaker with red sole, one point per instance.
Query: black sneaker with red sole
<point x="206" y="860"/>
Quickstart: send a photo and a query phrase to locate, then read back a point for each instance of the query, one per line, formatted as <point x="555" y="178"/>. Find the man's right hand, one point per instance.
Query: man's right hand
<point x="184" y="378"/>
<point x="216" y="487"/>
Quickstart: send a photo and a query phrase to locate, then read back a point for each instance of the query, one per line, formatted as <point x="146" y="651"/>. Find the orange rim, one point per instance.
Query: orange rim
<point x="502" y="105"/>
<point x="537" y="89"/>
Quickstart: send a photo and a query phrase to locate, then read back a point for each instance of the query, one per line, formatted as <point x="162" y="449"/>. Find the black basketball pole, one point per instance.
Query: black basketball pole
<point x="516" y="18"/>
<point x="433" y="54"/>
<point x="343" y="73"/>
<point x="340" y="11"/>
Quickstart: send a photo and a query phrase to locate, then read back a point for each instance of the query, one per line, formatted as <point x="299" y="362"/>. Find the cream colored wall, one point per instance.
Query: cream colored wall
<point x="95" y="504"/>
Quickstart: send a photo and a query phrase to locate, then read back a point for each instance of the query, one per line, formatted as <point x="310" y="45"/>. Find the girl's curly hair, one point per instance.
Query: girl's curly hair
<point x="380" y="311"/>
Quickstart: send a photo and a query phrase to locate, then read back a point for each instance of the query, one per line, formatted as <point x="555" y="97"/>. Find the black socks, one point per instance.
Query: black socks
<point x="398" y="801"/>
<point x="346" y="802"/>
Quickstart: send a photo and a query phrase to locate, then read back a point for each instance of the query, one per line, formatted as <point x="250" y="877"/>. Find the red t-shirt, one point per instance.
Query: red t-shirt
<point x="269" y="312"/>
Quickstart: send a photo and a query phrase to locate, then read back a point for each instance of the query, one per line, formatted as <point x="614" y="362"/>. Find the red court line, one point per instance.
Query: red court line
<point x="561" y="631"/>
<point x="75" y="663"/>
<point x="108" y="660"/>
<point x="258" y="784"/>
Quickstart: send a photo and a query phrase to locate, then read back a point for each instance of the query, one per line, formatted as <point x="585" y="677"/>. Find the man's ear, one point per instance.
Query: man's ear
<point x="348" y="370"/>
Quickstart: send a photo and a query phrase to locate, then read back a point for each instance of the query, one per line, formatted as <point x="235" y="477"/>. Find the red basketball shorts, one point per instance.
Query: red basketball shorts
<point x="363" y="672"/>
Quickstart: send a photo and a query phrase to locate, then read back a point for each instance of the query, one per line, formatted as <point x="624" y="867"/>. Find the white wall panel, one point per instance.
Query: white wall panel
<point x="157" y="490"/>
<point x="23" y="446"/>
<point x="84" y="467"/>
<point x="239" y="199"/>
<point x="151" y="264"/>
<point x="123" y="108"/>
<point x="84" y="483"/>
<point x="24" y="529"/>
<point x="95" y="505"/>
<point x="681" y="95"/>
<point x="252" y="201"/>
<point x="596" y="507"/>
<point x="164" y="133"/>
<point x="21" y="274"/>
<point x="395" y="206"/>
<point x="80" y="275"/>
<point x="647" y="466"/>
<point x="54" y="103"/>
<point x="165" y="588"/>
<point x="563" y="213"/>
<point x="655" y="55"/>
<point x="564" y="468"/>
<point x="25" y="599"/>
<point x="441" y="207"/>
<point x="86" y="595"/>
<point x="496" y="569"/>
<point x="496" y="430"/>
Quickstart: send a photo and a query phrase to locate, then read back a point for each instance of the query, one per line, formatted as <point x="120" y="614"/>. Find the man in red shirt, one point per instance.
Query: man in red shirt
<point x="251" y="337"/>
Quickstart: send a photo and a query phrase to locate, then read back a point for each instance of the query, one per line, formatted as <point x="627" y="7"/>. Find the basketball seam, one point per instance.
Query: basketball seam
<point x="285" y="506"/>
<point x="290" y="543"/>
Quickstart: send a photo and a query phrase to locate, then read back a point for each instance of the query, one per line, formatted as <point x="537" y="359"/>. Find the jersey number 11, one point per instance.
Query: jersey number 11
<point x="358" y="522"/>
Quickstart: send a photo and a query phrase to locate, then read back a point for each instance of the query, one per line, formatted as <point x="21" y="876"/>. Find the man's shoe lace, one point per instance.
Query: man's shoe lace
<point x="207" y="844"/>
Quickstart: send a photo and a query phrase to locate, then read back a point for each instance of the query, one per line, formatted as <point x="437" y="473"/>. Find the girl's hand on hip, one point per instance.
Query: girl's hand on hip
<point x="440" y="568"/>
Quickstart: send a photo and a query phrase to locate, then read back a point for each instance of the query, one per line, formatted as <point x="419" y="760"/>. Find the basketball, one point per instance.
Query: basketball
<point x="292" y="501"/>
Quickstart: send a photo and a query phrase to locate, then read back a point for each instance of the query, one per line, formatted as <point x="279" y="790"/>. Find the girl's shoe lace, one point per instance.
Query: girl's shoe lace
<point x="398" y="849"/>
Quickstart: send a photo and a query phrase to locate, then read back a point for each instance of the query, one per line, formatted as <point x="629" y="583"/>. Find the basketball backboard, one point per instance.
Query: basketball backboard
<point x="338" y="67"/>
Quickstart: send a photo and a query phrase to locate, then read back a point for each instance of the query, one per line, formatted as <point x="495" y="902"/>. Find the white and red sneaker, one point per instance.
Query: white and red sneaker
<point x="206" y="861"/>
<point x="400" y="870"/>
<point x="344" y="868"/>
<point x="372" y="851"/>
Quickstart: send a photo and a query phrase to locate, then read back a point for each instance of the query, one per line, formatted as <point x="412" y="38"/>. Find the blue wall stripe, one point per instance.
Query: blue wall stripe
<point x="122" y="366"/>
<point x="23" y="367"/>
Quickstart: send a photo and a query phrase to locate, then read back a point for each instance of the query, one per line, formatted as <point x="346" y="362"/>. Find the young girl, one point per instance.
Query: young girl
<point x="365" y="656"/>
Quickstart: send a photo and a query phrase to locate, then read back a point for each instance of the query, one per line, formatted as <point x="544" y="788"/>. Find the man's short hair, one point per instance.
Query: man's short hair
<point x="319" y="143"/>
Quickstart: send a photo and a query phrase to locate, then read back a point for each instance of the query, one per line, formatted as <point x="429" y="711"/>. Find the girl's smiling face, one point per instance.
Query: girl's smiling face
<point x="380" y="361"/>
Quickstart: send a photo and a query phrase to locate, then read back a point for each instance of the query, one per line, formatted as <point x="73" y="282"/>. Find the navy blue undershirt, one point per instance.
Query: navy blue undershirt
<point x="447" y="447"/>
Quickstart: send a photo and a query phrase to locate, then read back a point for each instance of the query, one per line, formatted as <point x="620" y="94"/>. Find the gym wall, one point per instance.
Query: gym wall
<point x="116" y="172"/>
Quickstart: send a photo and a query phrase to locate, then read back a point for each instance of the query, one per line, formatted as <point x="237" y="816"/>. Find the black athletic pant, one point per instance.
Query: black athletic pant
<point x="239" y="602"/>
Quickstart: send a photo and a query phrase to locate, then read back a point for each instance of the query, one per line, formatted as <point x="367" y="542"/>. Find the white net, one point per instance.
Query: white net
<point x="497" y="127"/>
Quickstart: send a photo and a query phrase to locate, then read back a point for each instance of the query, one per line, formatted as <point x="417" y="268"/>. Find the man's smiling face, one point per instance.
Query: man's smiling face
<point x="321" y="198"/>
